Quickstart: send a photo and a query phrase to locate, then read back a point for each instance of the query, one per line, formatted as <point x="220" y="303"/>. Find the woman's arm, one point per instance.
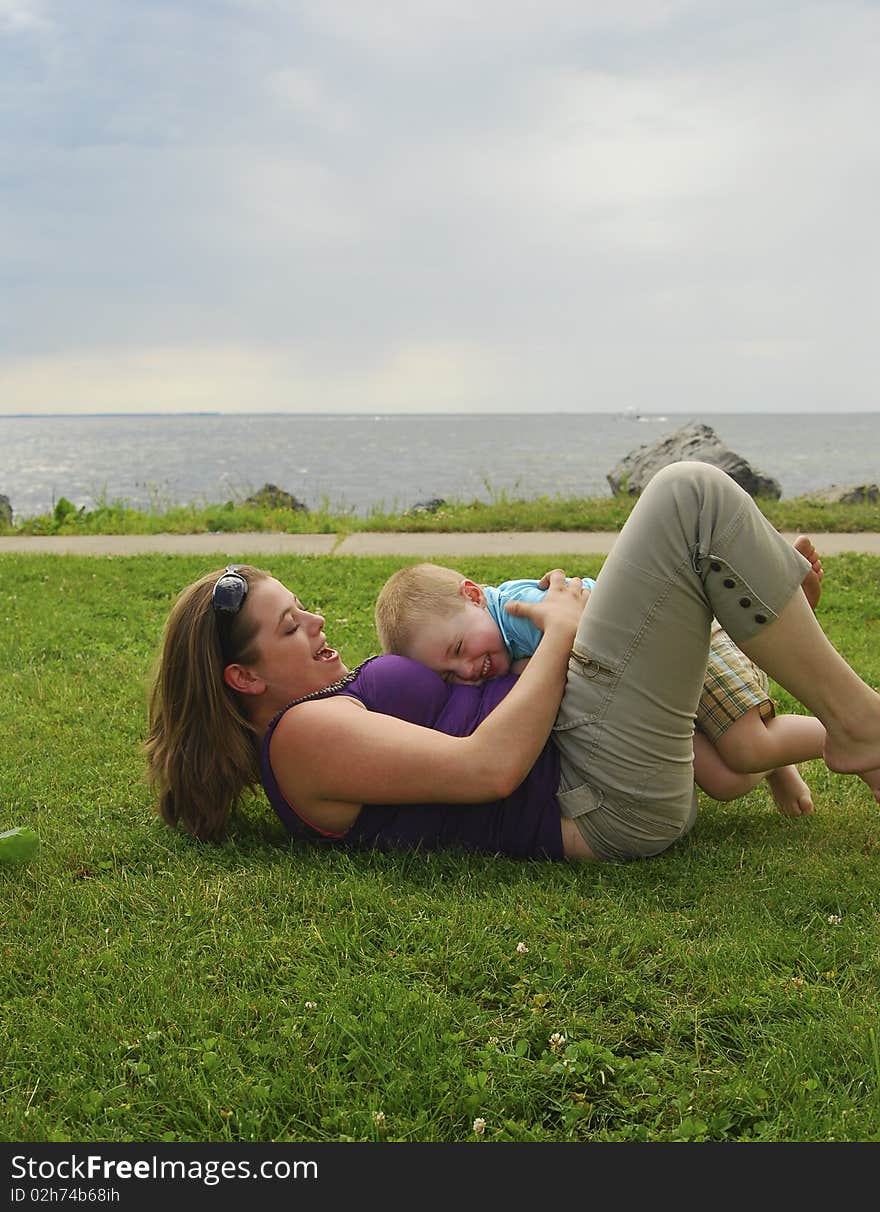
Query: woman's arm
<point x="333" y="756"/>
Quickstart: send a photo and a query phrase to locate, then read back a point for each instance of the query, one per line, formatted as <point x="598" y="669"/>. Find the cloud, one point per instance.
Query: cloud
<point x="432" y="29"/>
<point x="432" y="377"/>
<point x="24" y="16"/>
<point x="443" y="202"/>
<point x="306" y="95"/>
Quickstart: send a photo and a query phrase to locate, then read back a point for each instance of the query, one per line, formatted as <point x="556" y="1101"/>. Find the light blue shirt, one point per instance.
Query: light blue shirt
<point x="520" y="635"/>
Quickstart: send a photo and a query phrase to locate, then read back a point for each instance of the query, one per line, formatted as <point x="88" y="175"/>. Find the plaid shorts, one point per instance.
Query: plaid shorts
<point x="733" y="685"/>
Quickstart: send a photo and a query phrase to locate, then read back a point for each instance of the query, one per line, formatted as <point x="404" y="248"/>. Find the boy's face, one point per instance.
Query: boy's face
<point x="466" y="646"/>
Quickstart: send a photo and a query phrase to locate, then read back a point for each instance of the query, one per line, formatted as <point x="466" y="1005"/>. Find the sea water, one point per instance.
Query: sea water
<point x="359" y="462"/>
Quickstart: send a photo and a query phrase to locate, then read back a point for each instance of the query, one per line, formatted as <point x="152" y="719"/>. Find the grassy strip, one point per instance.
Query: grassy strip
<point x="154" y="989"/>
<point x="501" y="513"/>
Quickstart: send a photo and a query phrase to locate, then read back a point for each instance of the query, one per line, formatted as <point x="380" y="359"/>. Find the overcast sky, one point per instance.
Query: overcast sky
<point x="439" y="205"/>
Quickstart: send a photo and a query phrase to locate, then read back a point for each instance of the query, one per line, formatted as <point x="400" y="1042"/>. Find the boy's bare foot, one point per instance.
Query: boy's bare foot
<point x="790" y="793"/>
<point x="812" y="582"/>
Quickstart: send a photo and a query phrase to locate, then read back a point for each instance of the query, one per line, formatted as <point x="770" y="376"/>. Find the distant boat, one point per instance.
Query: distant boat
<point x="633" y="414"/>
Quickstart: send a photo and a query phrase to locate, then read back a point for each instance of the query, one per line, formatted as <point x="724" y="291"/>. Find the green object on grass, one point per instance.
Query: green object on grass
<point x="18" y="845"/>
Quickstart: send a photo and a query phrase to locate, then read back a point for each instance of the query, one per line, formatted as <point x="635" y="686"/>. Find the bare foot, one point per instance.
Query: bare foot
<point x="851" y="755"/>
<point x="790" y="793"/>
<point x="852" y="741"/>
<point x="812" y="582"/>
<point x="872" y="778"/>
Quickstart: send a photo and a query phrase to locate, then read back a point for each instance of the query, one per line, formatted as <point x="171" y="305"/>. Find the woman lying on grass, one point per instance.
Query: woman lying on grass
<point x="588" y="754"/>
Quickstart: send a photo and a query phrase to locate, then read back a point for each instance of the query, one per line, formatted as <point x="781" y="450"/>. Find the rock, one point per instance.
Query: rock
<point x="431" y="506"/>
<point x="691" y="441"/>
<point x="270" y="496"/>
<point x="851" y="494"/>
<point x="5" y="510"/>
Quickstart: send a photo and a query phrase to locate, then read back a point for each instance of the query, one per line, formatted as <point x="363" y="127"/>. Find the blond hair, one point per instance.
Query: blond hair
<point x="201" y="747"/>
<point x="412" y="597"/>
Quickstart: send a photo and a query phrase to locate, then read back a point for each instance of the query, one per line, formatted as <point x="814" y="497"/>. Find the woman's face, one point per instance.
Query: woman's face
<point x="293" y="655"/>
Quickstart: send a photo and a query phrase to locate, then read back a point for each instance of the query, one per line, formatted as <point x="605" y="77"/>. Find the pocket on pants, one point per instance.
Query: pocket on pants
<point x="578" y="801"/>
<point x="589" y="688"/>
<point x="620" y="831"/>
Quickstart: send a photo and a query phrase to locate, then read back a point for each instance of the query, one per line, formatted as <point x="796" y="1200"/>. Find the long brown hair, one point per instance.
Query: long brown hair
<point x="201" y="748"/>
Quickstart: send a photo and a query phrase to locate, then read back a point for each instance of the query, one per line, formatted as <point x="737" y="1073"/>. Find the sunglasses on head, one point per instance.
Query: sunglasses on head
<point x="230" y="591"/>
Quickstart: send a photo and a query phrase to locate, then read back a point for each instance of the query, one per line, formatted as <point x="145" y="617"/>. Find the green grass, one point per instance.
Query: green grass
<point x="155" y="989"/>
<point x="499" y="513"/>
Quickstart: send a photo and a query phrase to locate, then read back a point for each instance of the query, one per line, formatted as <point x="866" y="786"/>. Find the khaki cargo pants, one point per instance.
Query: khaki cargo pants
<point x="695" y="547"/>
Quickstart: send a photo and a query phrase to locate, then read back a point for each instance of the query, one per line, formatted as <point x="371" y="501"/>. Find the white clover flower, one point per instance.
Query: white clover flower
<point x="521" y="948"/>
<point x="311" y="1005"/>
<point x="833" y="919"/>
<point x="557" y="1039"/>
<point x="493" y="1041"/>
<point x="479" y="1126"/>
<point x="379" y="1119"/>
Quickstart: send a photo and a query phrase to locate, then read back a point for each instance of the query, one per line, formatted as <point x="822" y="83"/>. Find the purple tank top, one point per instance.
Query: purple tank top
<point x="523" y="825"/>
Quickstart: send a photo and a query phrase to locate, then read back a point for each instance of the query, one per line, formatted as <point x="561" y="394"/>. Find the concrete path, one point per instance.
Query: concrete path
<point x="429" y="546"/>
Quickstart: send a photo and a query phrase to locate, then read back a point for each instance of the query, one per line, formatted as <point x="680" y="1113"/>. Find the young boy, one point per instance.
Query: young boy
<point x="461" y="631"/>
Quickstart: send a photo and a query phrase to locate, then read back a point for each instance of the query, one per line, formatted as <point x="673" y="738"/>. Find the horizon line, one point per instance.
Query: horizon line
<point x="624" y="415"/>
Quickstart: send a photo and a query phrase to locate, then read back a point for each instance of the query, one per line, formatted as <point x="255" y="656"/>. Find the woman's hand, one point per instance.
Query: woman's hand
<point x="561" y="606"/>
<point x="544" y="583"/>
